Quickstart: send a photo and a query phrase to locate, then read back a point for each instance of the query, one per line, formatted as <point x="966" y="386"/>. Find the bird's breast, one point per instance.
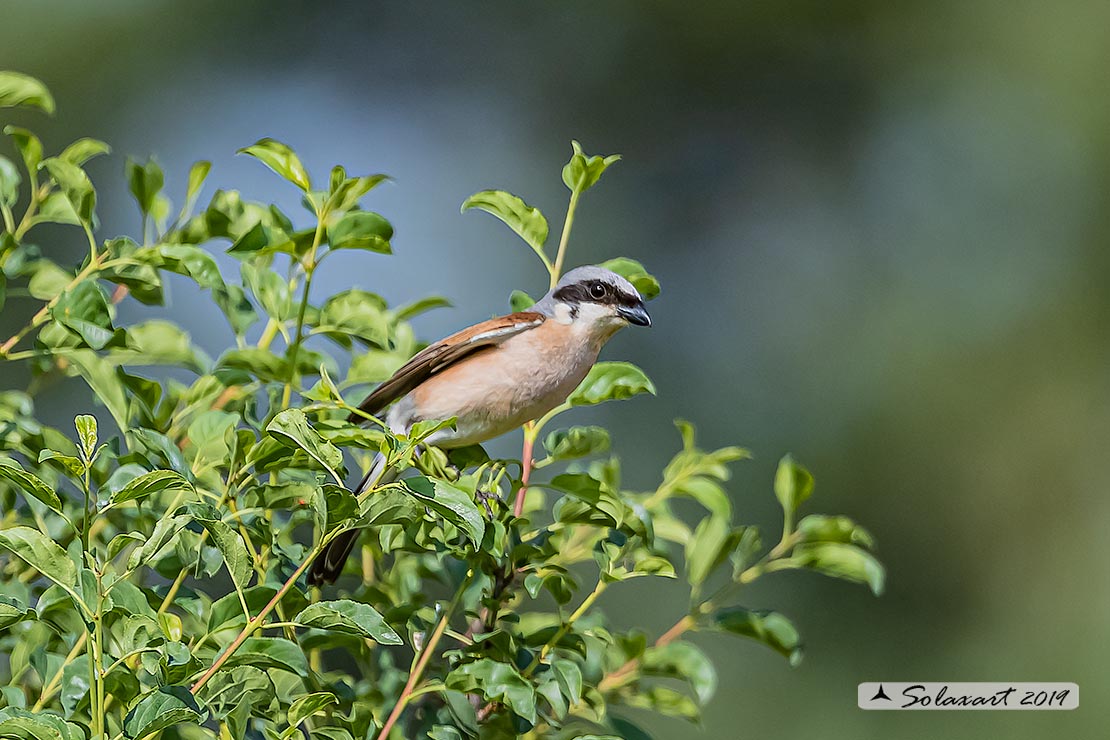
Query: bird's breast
<point x="498" y="389"/>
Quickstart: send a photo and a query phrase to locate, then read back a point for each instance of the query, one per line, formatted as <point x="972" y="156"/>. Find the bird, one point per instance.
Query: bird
<point x="497" y="375"/>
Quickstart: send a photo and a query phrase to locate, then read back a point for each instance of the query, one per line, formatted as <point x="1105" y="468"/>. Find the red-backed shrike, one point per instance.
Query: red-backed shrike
<point x="495" y="376"/>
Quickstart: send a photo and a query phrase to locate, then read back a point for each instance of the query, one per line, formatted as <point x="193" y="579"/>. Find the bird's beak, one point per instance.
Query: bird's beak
<point x="637" y="314"/>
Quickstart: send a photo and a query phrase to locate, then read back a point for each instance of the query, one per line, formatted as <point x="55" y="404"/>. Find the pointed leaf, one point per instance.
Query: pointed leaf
<point x="281" y="159"/>
<point x="528" y="223"/>
<point x="706" y="549"/>
<point x="164" y="707"/>
<point x="842" y="561"/>
<point x="632" y="271"/>
<point x="793" y="485"/>
<point x="611" y="381"/>
<point x="270" y="652"/>
<point x="20" y="90"/>
<point x="152" y="482"/>
<point x="349" y="618"/>
<point x="29" y="146"/>
<point x="452" y="503"/>
<point x="771" y="628"/>
<point x="30" y="483"/>
<point x="83" y="150"/>
<point x="685" y="661"/>
<point x="75" y="184"/>
<point x="86" y="431"/>
<point x="308" y="705"/>
<point x="582" y="171"/>
<point x="41" y="553"/>
<point x="361" y="230"/>
<point x="292" y="428"/>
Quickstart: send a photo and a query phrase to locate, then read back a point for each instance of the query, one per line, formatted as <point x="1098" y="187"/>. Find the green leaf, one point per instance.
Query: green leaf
<point x="291" y="428"/>
<point x="770" y="628"/>
<point x="22" y="724"/>
<point x="153" y="482"/>
<point x="270" y="652"/>
<point x="665" y="701"/>
<point x="9" y="182"/>
<point x="685" y="661"/>
<point x="162" y="708"/>
<point x="520" y="301"/>
<point x="83" y="150"/>
<point x="361" y="230"/>
<point x="210" y="432"/>
<point x="281" y="159"/>
<point x="227" y="540"/>
<point x="423" y="305"/>
<point x="271" y="290"/>
<point x="56" y="209"/>
<point x="86" y="431"/>
<point x="123" y="540"/>
<point x="582" y="171"/>
<point x="349" y="618"/>
<point x="83" y="309"/>
<point x="29" y="483"/>
<point x="528" y="223"/>
<point x="706" y="549"/>
<point x="822" y="528"/>
<point x="73" y="466"/>
<point x="591" y="492"/>
<point x="76" y="185"/>
<point x="347" y="193"/>
<point x="23" y="91"/>
<point x="104" y="381"/>
<point x="497" y="682"/>
<point x="568" y="444"/>
<point x="793" y="485"/>
<point x="357" y="313"/>
<point x="191" y="261"/>
<point x="450" y="502"/>
<point x="569" y="677"/>
<point x="308" y="705"/>
<point x="41" y="553"/>
<point x="12" y="611"/>
<point x="165" y="530"/>
<point x="842" y="561"/>
<point x="159" y="342"/>
<point x="29" y="146"/>
<point x="198" y="173"/>
<point x="632" y="271"/>
<point x="611" y="381"/>
<point x="145" y="182"/>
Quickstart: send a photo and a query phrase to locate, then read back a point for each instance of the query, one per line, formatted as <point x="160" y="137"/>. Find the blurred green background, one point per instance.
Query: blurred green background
<point x="881" y="229"/>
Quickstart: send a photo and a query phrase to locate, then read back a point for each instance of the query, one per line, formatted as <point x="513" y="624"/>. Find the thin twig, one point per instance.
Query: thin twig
<point x="421" y="664"/>
<point x="253" y="624"/>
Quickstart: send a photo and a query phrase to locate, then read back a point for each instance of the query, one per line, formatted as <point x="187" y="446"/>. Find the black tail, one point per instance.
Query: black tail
<point x="328" y="565"/>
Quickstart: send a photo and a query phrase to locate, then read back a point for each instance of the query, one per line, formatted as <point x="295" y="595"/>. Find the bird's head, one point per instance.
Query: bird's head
<point x="601" y="299"/>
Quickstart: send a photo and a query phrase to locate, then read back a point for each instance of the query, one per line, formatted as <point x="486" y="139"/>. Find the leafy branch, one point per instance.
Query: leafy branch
<point x="158" y="555"/>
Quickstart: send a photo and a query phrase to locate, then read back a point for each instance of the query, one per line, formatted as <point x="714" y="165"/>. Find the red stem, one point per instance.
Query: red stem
<point x="525" y="473"/>
<point x="251" y="627"/>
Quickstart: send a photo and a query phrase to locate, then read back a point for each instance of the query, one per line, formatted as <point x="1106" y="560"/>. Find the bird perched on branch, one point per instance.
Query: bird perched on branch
<point x="497" y="375"/>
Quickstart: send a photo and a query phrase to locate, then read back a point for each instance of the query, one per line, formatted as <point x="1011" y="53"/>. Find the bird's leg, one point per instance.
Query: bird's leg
<point x="484" y="497"/>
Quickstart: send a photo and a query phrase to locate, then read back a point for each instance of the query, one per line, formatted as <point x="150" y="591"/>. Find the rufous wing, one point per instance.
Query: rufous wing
<point x="444" y="353"/>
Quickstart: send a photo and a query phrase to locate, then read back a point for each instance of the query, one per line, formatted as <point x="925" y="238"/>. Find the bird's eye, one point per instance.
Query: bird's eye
<point x="597" y="291"/>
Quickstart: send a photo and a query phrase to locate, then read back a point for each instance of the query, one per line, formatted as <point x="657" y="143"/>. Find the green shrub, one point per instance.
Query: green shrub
<point x="152" y="566"/>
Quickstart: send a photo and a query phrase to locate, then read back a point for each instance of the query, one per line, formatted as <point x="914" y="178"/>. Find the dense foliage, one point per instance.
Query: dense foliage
<point x="152" y="557"/>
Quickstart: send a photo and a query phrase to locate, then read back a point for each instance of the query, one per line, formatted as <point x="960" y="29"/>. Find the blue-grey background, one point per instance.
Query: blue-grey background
<point x="881" y="229"/>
